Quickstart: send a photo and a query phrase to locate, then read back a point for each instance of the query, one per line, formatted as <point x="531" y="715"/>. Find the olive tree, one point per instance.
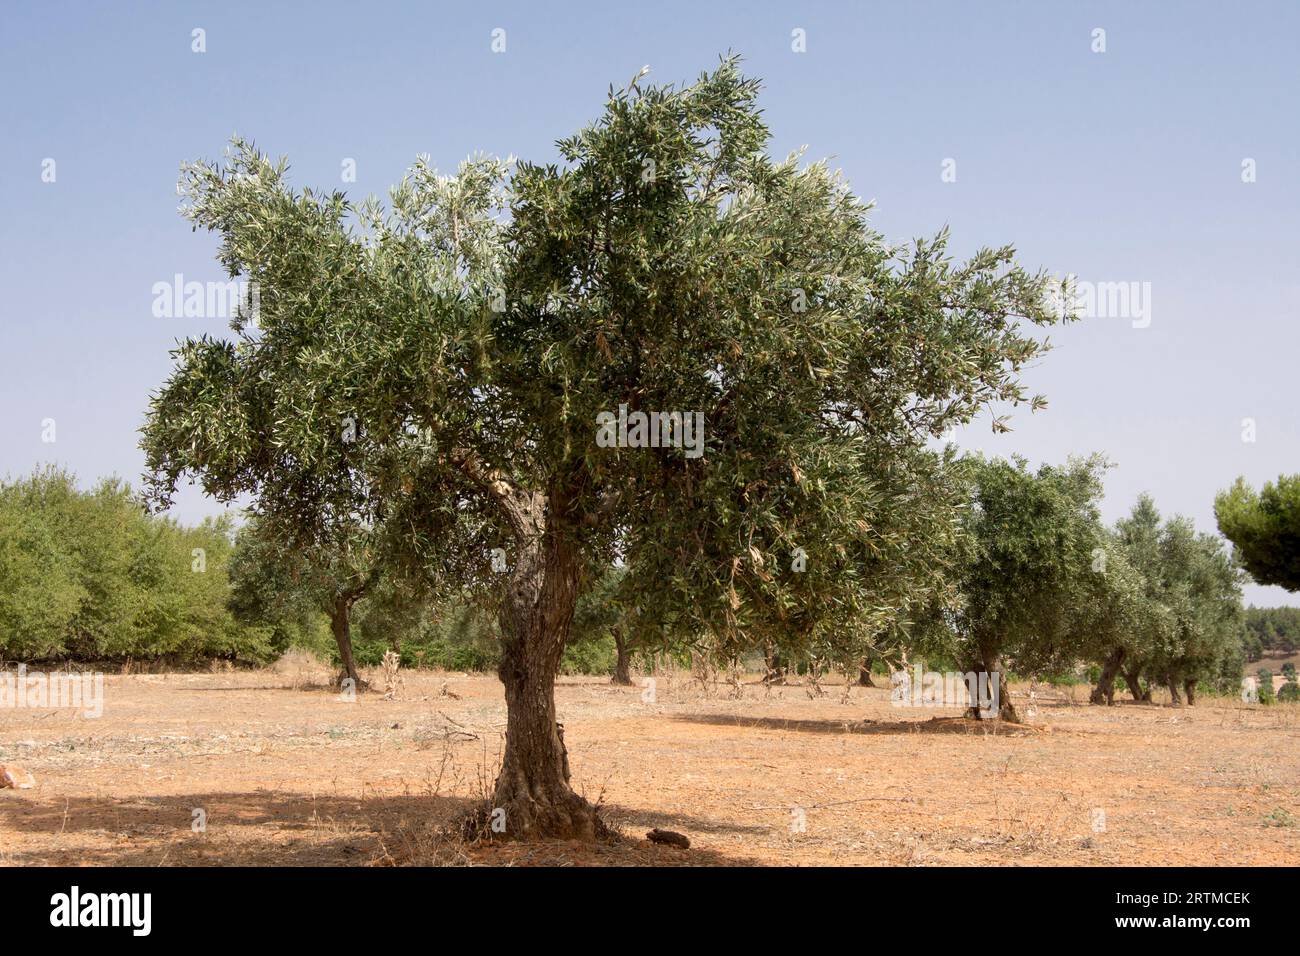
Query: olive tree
<point x="865" y="609"/>
<point x="1201" y="586"/>
<point x="275" y="578"/>
<point x="665" y="348"/>
<point x="1138" y="536"/>
<point x="1025" y="568"/>
<point x="1120" y="619"/>
<point x="601" y="612"/>
<point x="1192" y="629"/>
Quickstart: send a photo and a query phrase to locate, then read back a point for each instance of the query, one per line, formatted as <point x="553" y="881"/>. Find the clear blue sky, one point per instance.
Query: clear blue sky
<point x="1117" y="166"/>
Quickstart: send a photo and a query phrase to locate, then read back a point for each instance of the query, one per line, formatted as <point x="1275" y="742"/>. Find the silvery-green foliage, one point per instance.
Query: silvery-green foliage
<point x="476" y="328"/>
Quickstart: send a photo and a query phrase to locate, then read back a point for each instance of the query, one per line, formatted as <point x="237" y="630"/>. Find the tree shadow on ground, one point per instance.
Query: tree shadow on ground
<point x="272" y="828"/>
<point x="636" y="820"/>
<point x="278" y="828"/>
<point x="935" y="725"/>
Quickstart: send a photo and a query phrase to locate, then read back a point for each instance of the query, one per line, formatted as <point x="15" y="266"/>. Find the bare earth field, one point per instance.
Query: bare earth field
<point x="287" y="773"/>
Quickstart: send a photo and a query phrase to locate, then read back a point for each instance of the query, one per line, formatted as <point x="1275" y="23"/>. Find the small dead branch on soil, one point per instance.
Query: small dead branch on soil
<point x="450" y="731"/>
<point x="1039" y="829"/>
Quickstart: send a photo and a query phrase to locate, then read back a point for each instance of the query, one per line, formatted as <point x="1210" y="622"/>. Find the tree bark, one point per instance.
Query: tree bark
<point x="1189" y="687"/>
<point x="992" y="663"/>
<point x="1105" y="689"/>
<point x="1006" y="709"/>
<point x="341" y="626"/>
<point x="864" y="674"/>
<point x="532" y="798"/>
<point x="622" y="666"/>
<point x="1132" y="678"/>
<point x="1172" y="683"/>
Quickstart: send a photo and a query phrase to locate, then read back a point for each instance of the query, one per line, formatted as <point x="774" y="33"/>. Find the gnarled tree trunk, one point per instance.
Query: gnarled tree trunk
<point x="1105" y="689"/>
<point x="1132" y="677"/>
<point x="623" y="663"/>
<point x="1172" y="683"/>
<point x="532" y="798"/>
<point x="864" y="673"/>
<point x="992" y="664"/>
<point x="1189" y="687"/>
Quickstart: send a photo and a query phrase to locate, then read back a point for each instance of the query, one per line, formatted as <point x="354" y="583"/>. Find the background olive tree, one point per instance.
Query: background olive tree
<point x="277" y="578"/>
<point x="1023" y="571"/>
<point x="1195" y="624"/>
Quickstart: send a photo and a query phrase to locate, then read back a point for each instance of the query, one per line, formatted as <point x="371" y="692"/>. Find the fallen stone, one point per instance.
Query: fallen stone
<point x="15" y="777"/>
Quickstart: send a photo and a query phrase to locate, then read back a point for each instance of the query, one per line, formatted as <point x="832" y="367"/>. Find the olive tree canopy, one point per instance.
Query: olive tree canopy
<point x="484" y="330"/>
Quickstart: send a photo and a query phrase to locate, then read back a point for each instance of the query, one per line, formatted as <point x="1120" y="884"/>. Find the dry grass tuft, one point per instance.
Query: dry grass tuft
<point x="303" y="668"/>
